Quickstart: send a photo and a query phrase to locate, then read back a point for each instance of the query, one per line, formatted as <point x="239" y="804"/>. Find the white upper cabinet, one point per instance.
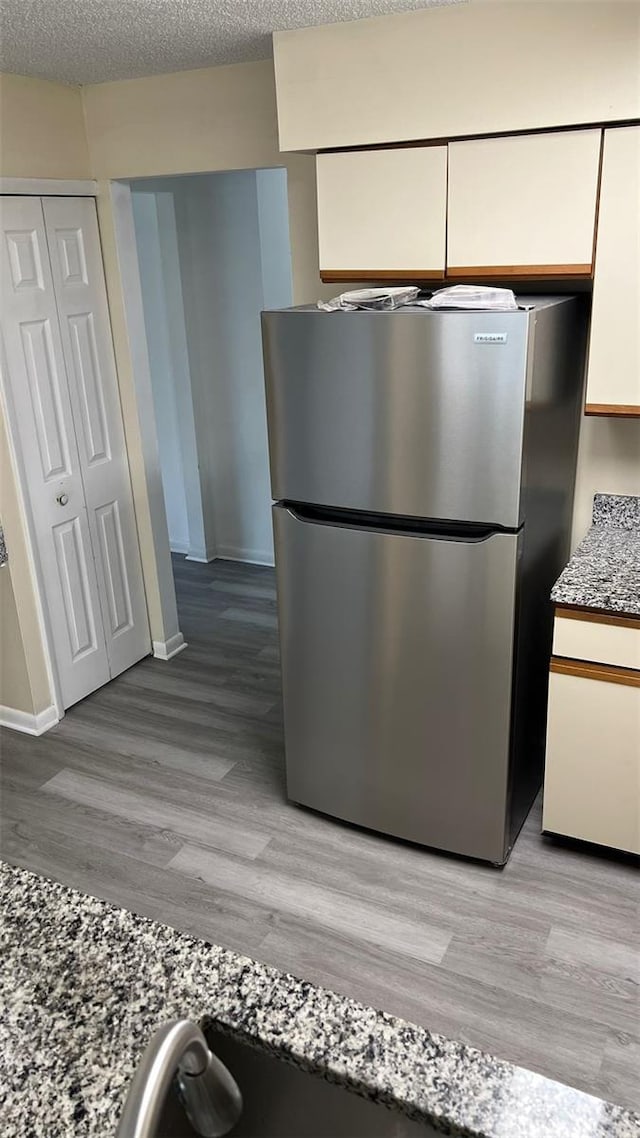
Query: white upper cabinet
<point x="523" y="206"/>
<point x="382" y="212"/>
<point x="613" y="379"/>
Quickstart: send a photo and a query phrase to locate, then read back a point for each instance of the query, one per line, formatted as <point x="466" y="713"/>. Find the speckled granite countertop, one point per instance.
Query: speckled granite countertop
<point x="604" y="572"/>
<point x="84" y="985"/>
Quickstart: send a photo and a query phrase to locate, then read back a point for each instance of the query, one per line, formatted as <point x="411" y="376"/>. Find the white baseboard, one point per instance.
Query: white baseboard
<point x="250" y="556"/>
<point x="178" y="546"/>
<point x="167" y="649"/>
<point x="30" y="724"/>
<point x="200" y="555"/>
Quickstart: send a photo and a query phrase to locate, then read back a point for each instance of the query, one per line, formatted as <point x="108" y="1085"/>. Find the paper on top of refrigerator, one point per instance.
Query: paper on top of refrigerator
<point x="385" y="299"/>
<point x="472" y="296"/>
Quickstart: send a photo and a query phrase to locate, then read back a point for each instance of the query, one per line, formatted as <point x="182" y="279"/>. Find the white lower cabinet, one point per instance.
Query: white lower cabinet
<point x="592" y="776"/>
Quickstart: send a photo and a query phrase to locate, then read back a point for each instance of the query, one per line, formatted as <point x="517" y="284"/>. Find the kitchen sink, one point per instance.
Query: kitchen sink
<point x="280" y="1101"/>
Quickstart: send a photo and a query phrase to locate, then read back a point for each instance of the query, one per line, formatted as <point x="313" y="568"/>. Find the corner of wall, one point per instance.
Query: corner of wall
<point x="125" y="311"/>
<point x="43" y="129"/>
<point x="25" y="680"/>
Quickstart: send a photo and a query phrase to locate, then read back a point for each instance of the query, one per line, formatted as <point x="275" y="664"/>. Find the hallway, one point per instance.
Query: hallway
<point x="164" y="792"/>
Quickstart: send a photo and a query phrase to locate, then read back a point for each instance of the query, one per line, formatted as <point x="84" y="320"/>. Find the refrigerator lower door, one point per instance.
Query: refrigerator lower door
<point x="397" y="659"/>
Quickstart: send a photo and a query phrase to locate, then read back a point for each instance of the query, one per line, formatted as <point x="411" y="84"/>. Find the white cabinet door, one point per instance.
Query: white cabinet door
<point x="523" y="206"/>
<point x="613" y="378"/>
<point x="592" y="770"/>
<point x="76" y="260"/>
<point x="382" y="213"/>
<point x="36" y="386"/>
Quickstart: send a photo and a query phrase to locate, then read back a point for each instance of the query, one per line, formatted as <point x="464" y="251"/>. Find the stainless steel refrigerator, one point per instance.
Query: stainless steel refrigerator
<point x="422" y="466"/>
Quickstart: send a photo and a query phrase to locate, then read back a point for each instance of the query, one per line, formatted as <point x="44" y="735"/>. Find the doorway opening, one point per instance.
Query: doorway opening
<point x="213" y="251"/>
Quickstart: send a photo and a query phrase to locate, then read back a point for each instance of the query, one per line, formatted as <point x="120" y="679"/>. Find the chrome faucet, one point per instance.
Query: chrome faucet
<point x="210" y="1094"/>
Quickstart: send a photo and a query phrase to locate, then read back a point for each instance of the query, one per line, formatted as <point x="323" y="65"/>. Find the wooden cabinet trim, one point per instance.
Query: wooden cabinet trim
<point x="335" y="276"/>
<point x="617" y="410"/>
<point x="519" y="273"/>
<point x="597" y="617"/>
<point x="444" y="140"/>
<point x="598" y="192"/>
<point x="608" y="673"/>
<point x="562" y="272"/>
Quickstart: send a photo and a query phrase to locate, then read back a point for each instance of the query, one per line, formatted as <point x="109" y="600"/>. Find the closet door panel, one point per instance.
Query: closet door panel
<point x="41" y="420"/>
<point x="74" y="246"/>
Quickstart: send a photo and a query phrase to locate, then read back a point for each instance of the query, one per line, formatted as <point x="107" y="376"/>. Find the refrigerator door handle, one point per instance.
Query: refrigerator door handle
<point x="390" y="524"/>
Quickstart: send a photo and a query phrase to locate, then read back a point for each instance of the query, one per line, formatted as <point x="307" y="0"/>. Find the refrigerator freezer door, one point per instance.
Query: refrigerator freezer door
<point x="411" y="412"/>
<point x="397" y="667"/>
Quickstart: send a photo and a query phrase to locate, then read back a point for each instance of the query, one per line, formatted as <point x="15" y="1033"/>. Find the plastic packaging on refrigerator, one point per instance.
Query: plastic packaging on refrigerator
<point x="376" y="299"/>
<point x="484" y="297"/>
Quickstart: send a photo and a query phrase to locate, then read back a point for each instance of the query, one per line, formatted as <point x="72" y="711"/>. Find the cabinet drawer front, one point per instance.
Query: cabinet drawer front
<point x="592" y="774"/>
<point x="616" y="643"/>
<point x="525" y="203"/>
<point x="382" y="210"/>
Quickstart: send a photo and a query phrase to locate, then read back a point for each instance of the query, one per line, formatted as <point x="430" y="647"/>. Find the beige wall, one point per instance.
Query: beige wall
<point x="15" y="689"/>
<point x="218" y="118"/>
<point x="213" y="119"/>
<point x="608" y="462"/>
<point x="221" y="118"/>
<point x="152" y="572"/>
<point x="41" y="130"/>
<point x="24" y="681"/>
<point x="41" y="136"/>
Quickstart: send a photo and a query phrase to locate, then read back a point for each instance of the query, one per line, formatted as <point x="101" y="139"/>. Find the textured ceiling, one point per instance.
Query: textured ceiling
<point x="89" y="41"/>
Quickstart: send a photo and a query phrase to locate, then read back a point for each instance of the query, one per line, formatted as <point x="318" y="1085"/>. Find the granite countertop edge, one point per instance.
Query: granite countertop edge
<point x="603" y="575"/>
<point x="85" y="985"/>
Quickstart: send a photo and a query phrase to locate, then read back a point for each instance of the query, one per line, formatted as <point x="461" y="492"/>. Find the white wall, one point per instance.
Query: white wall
<point x="231" y="233"/>
<point x="275" y="248"/>
<point x="201" y="536"/>
<point x="608" y="463"/>
<point x="235" y="261"/>
<point x="145" y="213"/>
<point x="191" y="528"/>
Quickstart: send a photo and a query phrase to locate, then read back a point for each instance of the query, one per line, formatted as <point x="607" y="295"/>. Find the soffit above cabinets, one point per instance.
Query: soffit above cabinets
<point x="489" y="67"/>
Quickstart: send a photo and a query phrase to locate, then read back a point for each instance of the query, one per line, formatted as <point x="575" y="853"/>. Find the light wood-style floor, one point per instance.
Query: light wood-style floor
<point x="164" y="792"/>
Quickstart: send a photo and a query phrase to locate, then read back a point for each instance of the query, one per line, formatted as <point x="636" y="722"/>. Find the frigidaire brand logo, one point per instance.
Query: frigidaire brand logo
<point x="490" y="337"/>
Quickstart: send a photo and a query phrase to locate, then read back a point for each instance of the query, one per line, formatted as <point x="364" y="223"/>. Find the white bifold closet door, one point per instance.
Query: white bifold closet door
<point x="60" y="382"/>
